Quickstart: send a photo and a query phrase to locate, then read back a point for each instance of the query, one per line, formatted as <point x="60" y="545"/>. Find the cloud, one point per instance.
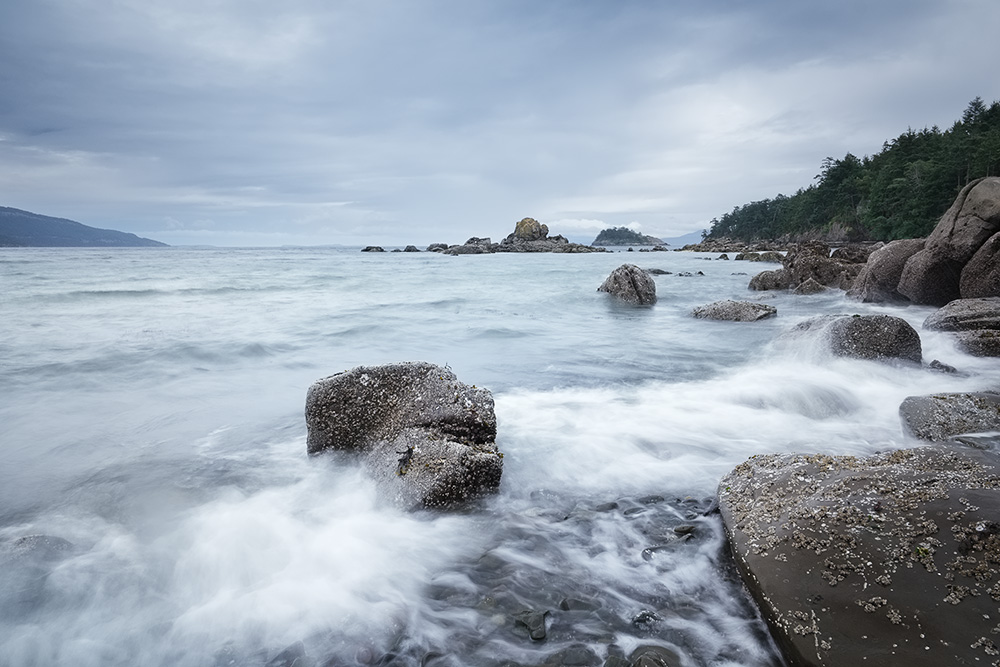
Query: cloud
<point x="418" y="122"/>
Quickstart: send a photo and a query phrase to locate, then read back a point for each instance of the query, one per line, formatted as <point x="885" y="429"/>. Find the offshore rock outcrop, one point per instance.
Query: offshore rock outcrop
<point x="427" y="438"/>
<point x="631" y="284"/>
<point x="886" y="559"/>
<point x="529" y="235"/>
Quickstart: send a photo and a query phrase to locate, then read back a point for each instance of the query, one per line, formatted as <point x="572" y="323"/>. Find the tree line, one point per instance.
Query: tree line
<point x="900" y="192"/>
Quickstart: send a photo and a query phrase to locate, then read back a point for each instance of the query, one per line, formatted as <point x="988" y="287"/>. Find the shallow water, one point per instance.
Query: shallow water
<point x="152" y="428"/>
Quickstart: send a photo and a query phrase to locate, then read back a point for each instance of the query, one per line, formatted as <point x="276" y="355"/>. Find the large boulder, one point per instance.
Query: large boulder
<point x="933" y="276"/>
<point x="529" y="235"/>
<point x="879" y="278"/>
<point x="890" y="559"/>
<point x="975" y="323"/>
<point x="940" y="417"/>
<point x="875" y="337"/>
<point x="529" y="229"/>
<point x="981" y="274"/>
<point x="735" y="311"/>
<point x="630" y="284"/>
<point x="427" y="438"/>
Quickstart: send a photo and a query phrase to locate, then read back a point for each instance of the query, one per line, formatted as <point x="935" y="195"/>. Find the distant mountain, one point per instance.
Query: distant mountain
<point x="24" y="229"/>
<point x="624" y="236"/>
<point x="685" y="239"/>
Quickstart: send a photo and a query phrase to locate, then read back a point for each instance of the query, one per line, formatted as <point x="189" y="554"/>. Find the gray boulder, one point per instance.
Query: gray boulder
<point x="411" y="248"/>
<point x="975" y="322"/>
<point x="437" y="247"/>
<point x="855" y="253"/>
<point x="427" y="438"/>
<point x="930" y="278"/>
<point x="879" y="278"/>
<point x="771" y="280"/>
<point x="735" y="311"/>
<point x="889" y="559"/>
<point x="373" y="248"/>
<point x="940" y="417"/>
<point x="874" y="337"/>
<point x="630" y="284"/>
<point x="981" y="275"/>
<point x="810" y="286"/>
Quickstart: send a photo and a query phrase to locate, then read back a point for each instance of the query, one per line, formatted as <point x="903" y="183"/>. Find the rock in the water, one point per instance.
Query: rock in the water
<point x="427" y="438"/>
<point x="876" y="337"/>
<point x="630" y="284"/>
<point x="890" y="559"/>
<point x="735" y="311"/>
<point x="940" y="417"/>
<point x="810" y="286"/>
<point x="771" y="280"/>
<point x="975" y="321"/>
<point x="437" y="247"/>
<point x="879" y="277"/>
<point x="411" y="248"/>
<point x="373" y="248"/>
<point x="534" y="621"/>
<point x="529" y="229"/>
<point x="655" y="656"/>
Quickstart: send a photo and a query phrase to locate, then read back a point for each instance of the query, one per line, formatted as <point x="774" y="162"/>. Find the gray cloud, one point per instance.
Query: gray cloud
<point x="252" y="122"/>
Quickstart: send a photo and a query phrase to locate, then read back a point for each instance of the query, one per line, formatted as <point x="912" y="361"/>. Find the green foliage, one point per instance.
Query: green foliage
<point x="623" y="236"/>
<point x="900" y="192"/>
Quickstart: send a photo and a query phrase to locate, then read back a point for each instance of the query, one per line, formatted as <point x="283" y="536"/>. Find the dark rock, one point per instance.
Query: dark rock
<point x="983" y="343"/>
<point x="655" y="656"/>
<point x="411" y="248"/>
<point x="529" y="229"/>
<point x="574" y="604"/>
<point x="437" y="247"/>
<point x="887" y="559"/>
<point x="534" y="621"/>
<point x="930" y="278"/>
<point x="941" y="367"/>
<point x="939" y="417"/>
<point x="723" y="256"/>
<point x="770" y="280"/>
<point x="577" y="655"/>
<point x="823" y="270"/>
<point x="810" y="286"/>
<point x="854" y="254"/>
<point x="529" y="235"/>
<point x="658" y="272"/>
<point x="770" y="256"/>
<point x="735" y="311"/>
<point x="645" y="619"/>
<point x="630" y="284"/>
<point x="971" y="220"/>
<point x="879" y="278"/>
<point x="966" y="315"/>
<point x="373" y="248"/>
<point x="981" y="275"/>
<point x="474" y="246"/>
<point x="876" y="337"/>
<point x="748" y="256"/>
<point x="427" y="438"/>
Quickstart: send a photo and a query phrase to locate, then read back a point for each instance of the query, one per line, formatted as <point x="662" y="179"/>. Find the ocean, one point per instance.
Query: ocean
<point x="157" y="506"/>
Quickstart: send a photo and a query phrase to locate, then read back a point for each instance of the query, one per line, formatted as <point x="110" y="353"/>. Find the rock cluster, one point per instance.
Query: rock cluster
<point x="427" y="438"/>
<point x="735" y="311"/>
<point x="630" y="284"/>
<point x="529" y="235"/>
<point x="959" y="259"/>
<point x="810" y="267"/>
<point x="887" y="559"/>
<point x="975" y="323"/>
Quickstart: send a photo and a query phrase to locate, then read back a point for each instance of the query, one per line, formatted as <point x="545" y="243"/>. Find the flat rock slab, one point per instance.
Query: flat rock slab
<point x="427" y="438"/>
<point x="735" y="311"/>
<point x="890" y="559"/>
<point x="939" y="417"/>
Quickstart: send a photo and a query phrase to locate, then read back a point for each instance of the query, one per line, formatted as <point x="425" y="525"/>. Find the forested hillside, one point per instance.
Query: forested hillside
<point x="900" y="192"/>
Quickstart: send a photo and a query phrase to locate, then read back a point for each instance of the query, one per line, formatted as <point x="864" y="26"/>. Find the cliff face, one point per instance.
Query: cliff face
<point x="25" y="229"/>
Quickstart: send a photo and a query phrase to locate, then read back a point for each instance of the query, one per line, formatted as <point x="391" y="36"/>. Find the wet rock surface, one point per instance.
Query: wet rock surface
<point x="879" y="278"/>
<point x="630" y="284"/>
<point x="940" y="417"/>
<point x="735" y="311"/>
<point x="975" y="322"/>
<point x="427" y="438"/>
<point x="874" y="337"/>
<point x="887" y="559"/>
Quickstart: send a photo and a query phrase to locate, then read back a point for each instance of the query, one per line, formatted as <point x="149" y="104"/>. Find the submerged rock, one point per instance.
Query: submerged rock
<point x="887" y="559"/>
<point x="940" y="417"/>
<point x="427" y="438"/>
<point x="735" y="311"/>
<point x="630" y="284"/>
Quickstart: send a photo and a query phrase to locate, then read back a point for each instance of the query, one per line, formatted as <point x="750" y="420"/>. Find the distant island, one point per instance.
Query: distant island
<point x="23" y="229"/>
<point x="624" y="236"/>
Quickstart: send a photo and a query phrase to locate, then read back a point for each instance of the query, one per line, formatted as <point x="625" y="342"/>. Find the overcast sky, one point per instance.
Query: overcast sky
<point x="264" y="122"/>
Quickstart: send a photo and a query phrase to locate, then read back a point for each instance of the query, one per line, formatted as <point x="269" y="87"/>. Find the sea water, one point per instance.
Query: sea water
<point x="157" y="506"/>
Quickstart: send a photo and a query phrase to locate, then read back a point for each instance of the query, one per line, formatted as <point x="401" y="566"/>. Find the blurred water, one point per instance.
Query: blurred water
<point x="151" y="408"/>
